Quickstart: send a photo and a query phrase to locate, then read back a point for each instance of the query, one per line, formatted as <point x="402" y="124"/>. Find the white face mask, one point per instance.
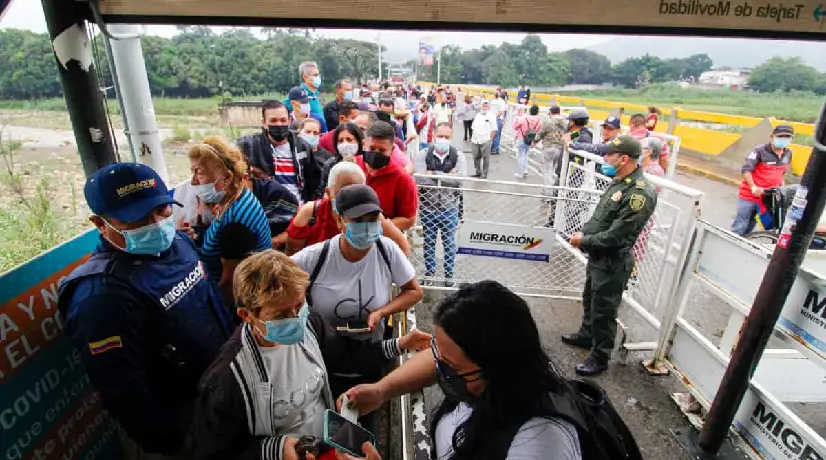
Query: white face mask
<point x="305" y="108"/>
<point x="347" y="149"/>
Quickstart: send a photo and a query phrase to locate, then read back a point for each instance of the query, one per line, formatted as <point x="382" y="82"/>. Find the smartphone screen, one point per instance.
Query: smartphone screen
<point x="345" y="435"/>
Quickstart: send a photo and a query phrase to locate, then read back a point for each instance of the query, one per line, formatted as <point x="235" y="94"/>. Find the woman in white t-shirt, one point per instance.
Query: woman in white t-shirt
<point x="351" y="278"/>
<point x="490" y="364"/>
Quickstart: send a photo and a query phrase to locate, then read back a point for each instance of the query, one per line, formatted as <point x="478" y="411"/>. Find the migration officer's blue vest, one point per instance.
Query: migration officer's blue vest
<point x="188" y="321"/>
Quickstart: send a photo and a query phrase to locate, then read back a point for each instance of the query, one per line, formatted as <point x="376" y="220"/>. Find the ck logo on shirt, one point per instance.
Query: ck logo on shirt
<point x="344" y="308"/>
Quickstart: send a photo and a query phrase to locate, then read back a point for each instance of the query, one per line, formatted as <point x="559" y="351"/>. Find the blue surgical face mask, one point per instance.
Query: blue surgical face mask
<point x="442" y="145"/>
<point x="208" y="194"/>
<point x="287" y="331"/>
<point x="310" y="139"/>
<point x="362" y="235"/>
<point x="317" y="81"/>
<point x="154" y="238"/>
<point x="608" y="169"/>
<point x="781" y="142"/>
<point x="348" y="95"/>
<point x="367" y="100"/>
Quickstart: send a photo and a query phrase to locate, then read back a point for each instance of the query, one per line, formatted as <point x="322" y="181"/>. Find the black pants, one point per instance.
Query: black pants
<point x="468" y="129"/>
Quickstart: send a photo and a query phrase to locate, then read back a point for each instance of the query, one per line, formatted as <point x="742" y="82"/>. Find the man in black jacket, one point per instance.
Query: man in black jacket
<point x="277" y="153"/>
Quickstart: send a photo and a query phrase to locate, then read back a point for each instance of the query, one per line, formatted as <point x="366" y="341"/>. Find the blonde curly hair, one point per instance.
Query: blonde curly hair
<point x="219" y="155"/>
<point x="265" y="278"/>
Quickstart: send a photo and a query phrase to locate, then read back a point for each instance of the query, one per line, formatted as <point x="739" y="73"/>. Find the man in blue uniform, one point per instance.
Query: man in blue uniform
<point x="141" y="311"/>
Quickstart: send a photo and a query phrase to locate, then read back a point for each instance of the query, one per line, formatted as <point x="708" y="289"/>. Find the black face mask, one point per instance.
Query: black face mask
<point x="278" y="132"/>
<point x="376" y="160"/>
<point x="452" y="384"/>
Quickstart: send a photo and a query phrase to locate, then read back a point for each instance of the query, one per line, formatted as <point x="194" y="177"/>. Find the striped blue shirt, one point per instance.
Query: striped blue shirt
<point x="239" y="231"/>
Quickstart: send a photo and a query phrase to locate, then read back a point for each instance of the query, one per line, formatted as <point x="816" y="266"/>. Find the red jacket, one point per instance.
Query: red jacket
<point x="398" y="196"/>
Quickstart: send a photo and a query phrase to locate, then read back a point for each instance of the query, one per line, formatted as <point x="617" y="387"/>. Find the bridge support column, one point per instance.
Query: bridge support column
<point x="66" y="22"/>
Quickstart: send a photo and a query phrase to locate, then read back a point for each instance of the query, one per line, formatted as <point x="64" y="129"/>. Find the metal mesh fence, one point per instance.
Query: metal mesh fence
<point x="446" y="205"/>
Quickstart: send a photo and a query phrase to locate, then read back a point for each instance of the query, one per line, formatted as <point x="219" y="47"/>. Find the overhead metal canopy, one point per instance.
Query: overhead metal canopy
<point x="802" y="19"/>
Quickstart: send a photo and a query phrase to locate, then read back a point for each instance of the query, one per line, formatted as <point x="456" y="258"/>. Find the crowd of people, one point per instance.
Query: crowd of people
<point x="221" y="321"/>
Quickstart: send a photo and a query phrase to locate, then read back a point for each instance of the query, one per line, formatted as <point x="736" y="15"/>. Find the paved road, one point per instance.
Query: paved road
<point x="643" y="401"/>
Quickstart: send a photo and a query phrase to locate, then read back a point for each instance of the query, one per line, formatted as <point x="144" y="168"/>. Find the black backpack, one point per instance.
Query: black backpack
<point x="531" y="134"/>
<point x="602" y="433"/>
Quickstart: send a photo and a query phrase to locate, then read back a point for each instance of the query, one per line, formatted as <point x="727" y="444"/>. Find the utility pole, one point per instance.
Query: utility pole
<point x="439" y="67"/>
<point x="794" y="240"/>
<point x="66" y="22"/>
<point x="379" y="55"/>
<point x="138" y="109"/>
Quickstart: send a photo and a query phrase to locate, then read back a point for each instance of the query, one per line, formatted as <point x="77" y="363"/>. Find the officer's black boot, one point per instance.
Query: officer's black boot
<point x="577" y="340"/>
<point x="592" y="366"/>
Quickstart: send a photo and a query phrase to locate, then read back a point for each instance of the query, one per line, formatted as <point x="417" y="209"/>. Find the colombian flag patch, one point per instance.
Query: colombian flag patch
<point x="106" y="344"/>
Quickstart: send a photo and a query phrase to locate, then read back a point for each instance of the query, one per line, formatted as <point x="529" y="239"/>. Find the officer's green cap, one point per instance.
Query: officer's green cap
<point x="624" y="145"/>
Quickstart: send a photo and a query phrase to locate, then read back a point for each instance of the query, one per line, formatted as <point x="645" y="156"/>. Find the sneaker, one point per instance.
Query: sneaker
<point x="477" y="175"/>
<point x="518" y="176"/>
<point x="450" y="282"/>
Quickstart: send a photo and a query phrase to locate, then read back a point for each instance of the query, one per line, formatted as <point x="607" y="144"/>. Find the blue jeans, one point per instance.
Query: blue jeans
<point x="744" y="221"/>
<point x="522" y="150"/>
<point x="448" y="222"/>
<point x="494" y="147"/>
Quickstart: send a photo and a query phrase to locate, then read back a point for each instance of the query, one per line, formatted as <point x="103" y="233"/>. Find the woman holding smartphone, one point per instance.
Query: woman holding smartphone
<point x="487" y="358"/>
<point x="350" y="286"/>
<point x="266" y="395"/>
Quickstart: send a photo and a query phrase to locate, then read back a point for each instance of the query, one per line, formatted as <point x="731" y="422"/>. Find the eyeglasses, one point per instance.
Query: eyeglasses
<point x="447" y="372"/>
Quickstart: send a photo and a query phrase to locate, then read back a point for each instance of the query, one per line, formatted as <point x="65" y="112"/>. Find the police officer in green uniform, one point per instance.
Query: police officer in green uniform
<point x="608" y="238"/>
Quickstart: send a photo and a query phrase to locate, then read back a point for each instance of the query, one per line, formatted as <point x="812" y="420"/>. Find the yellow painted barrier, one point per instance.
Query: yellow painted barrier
<point x="720" y="118"/>
<point x="799" y="128"/>
<point x="800" y="158"/>
<point x="704" y="140"/>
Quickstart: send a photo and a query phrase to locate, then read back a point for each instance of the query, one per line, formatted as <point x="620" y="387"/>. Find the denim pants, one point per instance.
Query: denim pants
<point x="446" y="221"/>
<point x="522" y="150"/>
<point x="494" y="148"/>
<point x="744" y="221"/>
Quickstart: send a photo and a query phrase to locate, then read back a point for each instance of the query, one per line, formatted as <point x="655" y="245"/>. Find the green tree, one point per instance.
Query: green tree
<point x="778" y="74"/>
<point x="499" y="69"/>
<point x="588" y="67"/>
<point x="696" y="65"/>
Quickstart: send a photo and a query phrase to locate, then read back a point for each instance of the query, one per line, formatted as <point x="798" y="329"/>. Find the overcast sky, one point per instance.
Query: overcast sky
<point x="401" y="45"/>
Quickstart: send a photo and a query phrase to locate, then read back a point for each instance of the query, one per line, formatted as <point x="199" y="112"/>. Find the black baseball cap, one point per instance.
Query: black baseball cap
<point x="299" y="94"/>
<point x="578" y="115"/>
<point x="785" y="130"/>
<point x="613" y="122"/>
<point x="126" y="191"/>
<point x="354" y="201"/>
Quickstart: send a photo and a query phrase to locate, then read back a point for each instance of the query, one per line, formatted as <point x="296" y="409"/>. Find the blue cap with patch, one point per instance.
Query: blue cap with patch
<point x="126" y="191"/>
<point x="612" y="122"/>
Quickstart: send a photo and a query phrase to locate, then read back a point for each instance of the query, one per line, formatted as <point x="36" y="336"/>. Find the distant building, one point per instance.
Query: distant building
<point x="735" y="79"/>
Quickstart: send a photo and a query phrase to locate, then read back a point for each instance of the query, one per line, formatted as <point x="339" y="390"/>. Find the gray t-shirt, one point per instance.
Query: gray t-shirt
<point x="346" y="291"/>
<point x="297" y="390"/>
<point x="537" y="439"/>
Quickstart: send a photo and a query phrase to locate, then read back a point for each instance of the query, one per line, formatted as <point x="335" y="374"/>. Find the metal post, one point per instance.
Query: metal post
<point x="81" y="88"/>
<point x="770" y="298"/>
<point x="138" y="109"/>
<point x="379" y="55"/>
<point x="116" y="85"/>
<point x="439" y="68"/>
